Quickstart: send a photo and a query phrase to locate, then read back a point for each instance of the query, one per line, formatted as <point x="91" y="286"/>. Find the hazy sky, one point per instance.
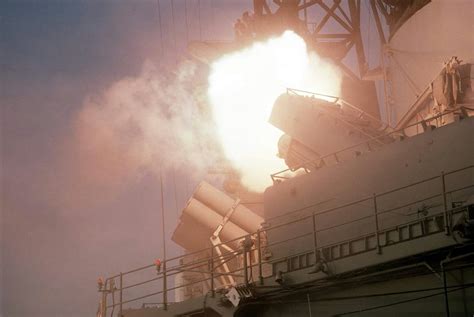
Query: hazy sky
<point x="59" y="234"/>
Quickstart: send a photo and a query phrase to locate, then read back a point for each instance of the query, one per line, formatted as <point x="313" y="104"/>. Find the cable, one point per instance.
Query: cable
<point x="356" y="281"/>
<point x="213" y="16"/>
<point x="175" y="194"/>
<point x="186" y="20"/>
<point x="329" y="299"/>
<point x="400" y="302"/>
<point x="174" y="32"/>
<point x="453" y="288"/>
<point x="410" y="81"/>
<point x="368" y="34"/>
<point x="199" y="20"/>
<point x="161" y="28"/>
<point x="355" y="297"/>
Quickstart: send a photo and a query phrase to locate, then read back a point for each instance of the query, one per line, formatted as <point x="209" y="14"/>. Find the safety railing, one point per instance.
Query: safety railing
<point x="335" y="156"/>
<point x="334" y="100"/>
<point x="372" y="216"/>
<point x="250" y="258"/>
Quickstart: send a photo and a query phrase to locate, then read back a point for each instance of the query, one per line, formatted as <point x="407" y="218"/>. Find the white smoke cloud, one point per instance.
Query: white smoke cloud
<point x="146" y="123"/>
<point x="152" y="122"/>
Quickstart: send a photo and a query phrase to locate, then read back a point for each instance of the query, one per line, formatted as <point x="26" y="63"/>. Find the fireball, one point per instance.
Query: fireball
<point x="242" y="89"/>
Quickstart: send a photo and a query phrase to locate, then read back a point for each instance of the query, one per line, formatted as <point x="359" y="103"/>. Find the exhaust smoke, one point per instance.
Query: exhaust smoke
<point x="147" y="123"/>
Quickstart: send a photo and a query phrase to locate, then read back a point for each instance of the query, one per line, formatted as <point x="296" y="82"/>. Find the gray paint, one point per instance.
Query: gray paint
<point x="395" y="165"/>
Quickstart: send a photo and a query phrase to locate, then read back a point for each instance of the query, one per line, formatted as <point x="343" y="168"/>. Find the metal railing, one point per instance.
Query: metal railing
<point x="209" y="264"/>
<point x="336" y="155"/>
<point x="334" y="100"/>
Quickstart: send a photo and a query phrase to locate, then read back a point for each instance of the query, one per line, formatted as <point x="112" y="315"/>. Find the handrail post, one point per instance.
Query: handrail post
<point x="259" y="254"/>
<point x="315" y="241"/>
<point x="376" y="218"/>
<point x="211" y="266"/>
<point x="104" y="299"/>
<point x="246" y="273"/>
<point x="165" y="288"/>
<point x="121" y="294"/>
<point x="447" y="228"/>
<point x="445" y="288"/>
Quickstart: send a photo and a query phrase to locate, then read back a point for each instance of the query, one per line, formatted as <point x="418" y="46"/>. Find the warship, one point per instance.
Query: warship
<point x="375" y="212"/>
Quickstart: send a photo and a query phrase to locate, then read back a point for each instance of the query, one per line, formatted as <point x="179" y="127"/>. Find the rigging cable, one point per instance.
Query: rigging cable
<point x="213" y="16"/>
<point x="403" y="301"/>
<point x="174" y="33"/>
<point x="161" y="29"/>
<point x="186" y="20"/>
<point x="175" y="194"/>
<point x="368" y="34"/>
<point x="199" y="20"/>
<point x="452" y="288"/>
<point x="375" y="295"/>
<point x="358" y="281"/>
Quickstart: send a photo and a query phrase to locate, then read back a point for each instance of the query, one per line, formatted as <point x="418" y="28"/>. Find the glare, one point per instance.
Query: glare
<point x="242" y="89"/>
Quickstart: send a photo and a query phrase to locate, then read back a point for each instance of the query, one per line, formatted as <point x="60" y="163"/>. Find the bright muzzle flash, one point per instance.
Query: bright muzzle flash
<point x="242" y="89"/>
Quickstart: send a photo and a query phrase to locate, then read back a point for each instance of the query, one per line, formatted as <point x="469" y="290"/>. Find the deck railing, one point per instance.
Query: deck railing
<point x="335" y="156"/>
<point x="207" y="262"/>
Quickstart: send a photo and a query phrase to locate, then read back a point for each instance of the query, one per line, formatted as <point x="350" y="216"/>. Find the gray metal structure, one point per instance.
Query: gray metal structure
<point x="416" y="224"/>
<point x="380" y="221"/>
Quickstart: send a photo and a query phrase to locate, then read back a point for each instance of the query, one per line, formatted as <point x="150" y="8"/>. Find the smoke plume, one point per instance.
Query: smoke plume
<point x="146" y="123"/>
<point x="152" y="122"/>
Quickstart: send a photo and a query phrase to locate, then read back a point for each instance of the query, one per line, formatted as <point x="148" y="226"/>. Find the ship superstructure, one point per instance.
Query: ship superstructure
<point x="375" y="213"/>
